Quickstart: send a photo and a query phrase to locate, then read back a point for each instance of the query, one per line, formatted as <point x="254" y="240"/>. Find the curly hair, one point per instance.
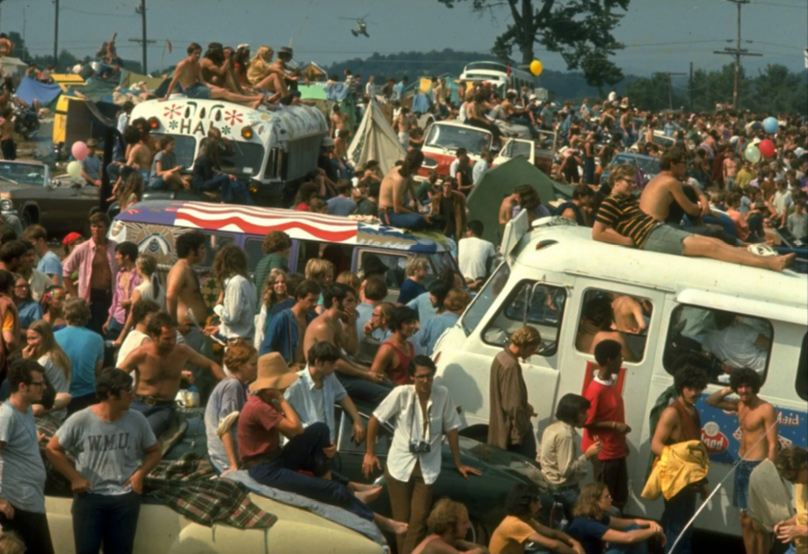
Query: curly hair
<point x="744" y="376"/>
<point x="526" y="336"/>
<point x="415" y="263"/>
<point x="269" y="297"/>
<point x="689" y="376"/>
<point x="237" y="354"/>
<point x="622" y="171"/>
<point x="446" y="515"/>
<point x="457" y="300"/>
<point x="276" y="241"/>
<point x="790" y="461"/>
<point x="587" y="503"/>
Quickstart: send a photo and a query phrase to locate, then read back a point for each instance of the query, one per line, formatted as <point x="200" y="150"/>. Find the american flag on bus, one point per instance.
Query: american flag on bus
<point x="259" y="221"/>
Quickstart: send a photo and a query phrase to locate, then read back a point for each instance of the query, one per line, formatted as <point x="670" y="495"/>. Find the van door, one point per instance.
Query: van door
<point x="633" y="317"/>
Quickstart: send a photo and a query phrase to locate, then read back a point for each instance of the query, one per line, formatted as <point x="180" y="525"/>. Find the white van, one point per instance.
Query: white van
<point x="548" y="278"/>
<point x="271" y="149"/>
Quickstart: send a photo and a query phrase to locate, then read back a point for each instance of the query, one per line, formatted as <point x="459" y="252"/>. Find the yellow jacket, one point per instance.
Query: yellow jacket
<point x="680" y="465"/>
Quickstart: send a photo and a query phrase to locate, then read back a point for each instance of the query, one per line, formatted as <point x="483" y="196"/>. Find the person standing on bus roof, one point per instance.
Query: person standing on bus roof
<point x="758" y="422"/>
<point x="607" y="423"/>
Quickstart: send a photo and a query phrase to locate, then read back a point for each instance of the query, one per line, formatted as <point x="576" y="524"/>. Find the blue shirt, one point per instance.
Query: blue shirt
<point x="315" y="405"/>
<point x="229" y="396"/>
<point x="85" y="349"/>
<point x="282" y="335"/>
<point x="589" y="532"/>
<point x="341" y="205"/>
<point x="431" y="330"/>
<point x="409" y="290"/>
<point x="50" y="264"/>
<point x="423" y="305"/>
<point x="363" y="313"/>
<point x="92" y="166"/>
<point x="29" y="312"/>
<point x="398" y="91"/>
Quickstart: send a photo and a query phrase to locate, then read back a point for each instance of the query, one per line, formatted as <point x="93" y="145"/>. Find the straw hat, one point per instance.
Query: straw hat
<point x="273" y="373"/>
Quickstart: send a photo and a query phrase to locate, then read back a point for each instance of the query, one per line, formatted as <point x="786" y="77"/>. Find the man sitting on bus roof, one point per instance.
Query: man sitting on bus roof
<point x="189" y="75"/>
<point x="620" y="221"/>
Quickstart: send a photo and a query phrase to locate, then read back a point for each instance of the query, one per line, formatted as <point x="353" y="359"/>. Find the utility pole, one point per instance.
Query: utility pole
<point x="670" y="83"/>
<point x="737" y="52"/>
<point x="56" y="35"/>
<point x="141" y="9"/>
<point x="690" y="86"/>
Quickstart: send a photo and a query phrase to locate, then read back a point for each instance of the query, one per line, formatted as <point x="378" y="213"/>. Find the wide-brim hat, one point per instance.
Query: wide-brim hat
<point x="273" y="373"/>
<point x="92" y="143"/>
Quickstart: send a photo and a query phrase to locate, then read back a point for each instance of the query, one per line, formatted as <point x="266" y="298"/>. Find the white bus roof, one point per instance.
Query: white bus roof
<point x="180" y="115"/>
<point x="727" y="286"/>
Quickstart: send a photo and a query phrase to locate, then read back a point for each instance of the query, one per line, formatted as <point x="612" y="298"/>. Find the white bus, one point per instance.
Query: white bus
<point x="547" y="279"/>
<point x="499" y="74"/>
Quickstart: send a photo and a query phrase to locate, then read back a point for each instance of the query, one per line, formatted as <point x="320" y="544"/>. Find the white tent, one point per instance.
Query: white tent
<point x="12" y="65"/>
<point x="375" y="140"/>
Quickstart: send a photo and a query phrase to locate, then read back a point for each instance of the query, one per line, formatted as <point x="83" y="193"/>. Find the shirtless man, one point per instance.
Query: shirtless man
<point x="337" y="325"/>
<point x="215" y="67"/>
<point x="506" y="208"/>
<point x="159" y="365"/>
<point x="339" y="122"/>
<point x="666" y="188"/>
<point x="396" y="185"/>
<point x="403" y="124"/>
<point x="189" y="75"/>
<point x="9" y="147"/>
<point x="730" y="168"/>
<point x="758" y="422"/>
<point x="680" y="422"/>
<point x="138" y="158"/>
<point x="284" y="73"/>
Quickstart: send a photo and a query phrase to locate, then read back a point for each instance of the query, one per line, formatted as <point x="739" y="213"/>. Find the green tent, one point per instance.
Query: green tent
<point x="498" y="182"/>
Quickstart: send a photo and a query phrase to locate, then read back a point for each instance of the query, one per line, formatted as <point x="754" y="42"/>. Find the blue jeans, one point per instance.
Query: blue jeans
<point x="159" y="416"/>
<point x="232" y="191"/>
<point x="364" y="390"/>
<point x="305" y="451"/>
<point x="105" y="519"/>
<point x="678" y="511"/>
<point x="567" y="497"/>
<point x="637" y="548"/>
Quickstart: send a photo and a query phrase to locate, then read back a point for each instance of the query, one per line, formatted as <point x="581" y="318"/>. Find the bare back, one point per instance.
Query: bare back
<point x="322" y="329"/>
<point x="392" y="188"/>
<point x="141" y="155"/>
<point x="183" y="282"/>
<point x="656" y="198"/>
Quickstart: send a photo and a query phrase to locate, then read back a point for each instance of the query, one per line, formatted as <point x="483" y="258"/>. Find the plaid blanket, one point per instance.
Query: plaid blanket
<point x="184" y="485"/>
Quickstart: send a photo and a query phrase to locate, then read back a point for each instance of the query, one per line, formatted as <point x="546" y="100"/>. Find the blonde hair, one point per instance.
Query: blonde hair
<point x="317" y="269"/>
<point x="348" y="278"/>
<point x="48" y="346"/>
<point x="415" y="263"/>
<point x="587" y="503"/>
<point x="445" y="515"/>
<point x="268" y="295"/>
<point x="622" y="171"/>
<point x="526" y="336"/>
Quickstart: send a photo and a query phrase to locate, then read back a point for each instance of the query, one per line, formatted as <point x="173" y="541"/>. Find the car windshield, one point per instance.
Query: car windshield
<point x="647" y="164"/>
<point x="23" y="174"/>
<point x="451" y="138"/>
<point x="246" y="158"/>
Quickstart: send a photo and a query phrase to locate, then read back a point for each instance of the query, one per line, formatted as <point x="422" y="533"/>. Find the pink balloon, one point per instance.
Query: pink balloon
<point x="766" y="148"/>
<point x="79" y="150"/>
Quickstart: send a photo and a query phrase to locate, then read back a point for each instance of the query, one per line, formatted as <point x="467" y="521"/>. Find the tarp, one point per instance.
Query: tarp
<point x="375" y="140"/>
<point x="497" y="183"/>
<point x="97" y="90"/>
<point x="31" y="89"/>
<point x="312" y="92"/>
<point x="130" y="78"/>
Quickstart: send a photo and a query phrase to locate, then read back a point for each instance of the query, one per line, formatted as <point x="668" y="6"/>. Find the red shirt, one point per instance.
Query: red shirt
<point x="607" y="405"/>
<point x="257" y="435"/>
<point x="303" y="207"/>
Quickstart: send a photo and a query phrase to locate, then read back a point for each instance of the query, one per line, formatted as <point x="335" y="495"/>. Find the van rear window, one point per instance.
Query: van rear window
<point x="719" y="342"/>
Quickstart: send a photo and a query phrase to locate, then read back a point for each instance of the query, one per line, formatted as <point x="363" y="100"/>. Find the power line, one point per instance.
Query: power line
<point x="782" y="5"/>
<point x="101" y="14"/>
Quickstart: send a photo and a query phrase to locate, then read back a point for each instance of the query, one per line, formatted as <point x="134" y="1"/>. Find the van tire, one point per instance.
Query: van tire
<point x="477" y="432"/>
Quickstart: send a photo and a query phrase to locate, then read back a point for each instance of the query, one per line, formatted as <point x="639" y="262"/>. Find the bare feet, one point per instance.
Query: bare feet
<point x="387" y="524"/>
<point x="258" y="102"/>
<point x="779" y="263"/>
<point x="369" y="495"/>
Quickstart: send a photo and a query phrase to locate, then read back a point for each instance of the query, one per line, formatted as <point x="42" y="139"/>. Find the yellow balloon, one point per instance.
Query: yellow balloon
<point x="536" y="67"/>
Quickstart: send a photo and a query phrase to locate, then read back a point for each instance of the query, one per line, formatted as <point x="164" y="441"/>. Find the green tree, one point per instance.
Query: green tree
<point x="579" y="30"/>
<point x="776" y="90"/>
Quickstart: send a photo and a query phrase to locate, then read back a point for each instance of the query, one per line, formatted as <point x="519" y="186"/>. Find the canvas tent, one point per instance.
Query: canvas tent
<point x="375" y="140"/>
<point x="314" y="72"/>
<point x="498" y="182"/>
<point x="12" y="65"/>
<point x="129" y="79"/>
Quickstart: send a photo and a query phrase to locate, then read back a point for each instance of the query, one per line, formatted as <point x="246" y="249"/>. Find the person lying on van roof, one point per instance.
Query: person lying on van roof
<point x="621" y="221"/>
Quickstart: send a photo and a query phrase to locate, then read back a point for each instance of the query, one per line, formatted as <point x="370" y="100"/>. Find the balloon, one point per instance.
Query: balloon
<point x="770" y="125"/>
<point x="79" y="150"/>
<point x="74" y="169"/>
<point x="752" y="153"/>
<point x="766" y="148"/>
<point x="536" y="67"/>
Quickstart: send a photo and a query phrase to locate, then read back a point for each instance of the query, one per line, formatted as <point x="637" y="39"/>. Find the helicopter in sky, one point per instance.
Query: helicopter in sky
<point x="361" y="26"/>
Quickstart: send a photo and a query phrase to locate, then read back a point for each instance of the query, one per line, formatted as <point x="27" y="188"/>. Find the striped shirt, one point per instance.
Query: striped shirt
<point x="623" y="214"/>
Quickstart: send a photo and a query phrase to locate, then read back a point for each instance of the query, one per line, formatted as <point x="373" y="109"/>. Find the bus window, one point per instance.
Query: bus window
<point x="214" y="243"/>
<point x="184" y="148"/>
<point x="255" y="252"/>
<point x="530" y="303"/>
<point x="614" y="316"/>
<point x="802" y="370"/>
<point x="718" y="342"/>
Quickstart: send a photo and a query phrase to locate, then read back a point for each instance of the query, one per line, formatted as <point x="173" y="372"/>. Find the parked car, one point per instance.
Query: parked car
<point x="28" y="192"/>
<point x="483" y="495"/>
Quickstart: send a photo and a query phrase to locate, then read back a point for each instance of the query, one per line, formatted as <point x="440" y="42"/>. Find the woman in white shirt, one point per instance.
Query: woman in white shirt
<point x="236" y="304"/>
<point x="43" y="348"/>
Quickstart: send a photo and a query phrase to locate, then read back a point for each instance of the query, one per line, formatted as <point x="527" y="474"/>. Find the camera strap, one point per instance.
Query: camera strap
<point x="416" y="405"/>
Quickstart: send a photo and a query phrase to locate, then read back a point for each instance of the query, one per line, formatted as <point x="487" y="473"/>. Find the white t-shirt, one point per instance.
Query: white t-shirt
<point x="736" y="347"/>
<point x="473" y="255"/>
<point x="134" y="339"/>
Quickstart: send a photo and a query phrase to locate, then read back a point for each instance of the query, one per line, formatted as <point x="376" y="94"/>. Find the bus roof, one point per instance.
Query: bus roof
<point x="576" y="253"/>
<point x="180" y="115"/>
<point x="257" y="221"/>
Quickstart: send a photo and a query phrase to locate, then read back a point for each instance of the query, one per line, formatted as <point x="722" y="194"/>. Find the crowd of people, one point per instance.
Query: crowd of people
<point x="96" y="341"/>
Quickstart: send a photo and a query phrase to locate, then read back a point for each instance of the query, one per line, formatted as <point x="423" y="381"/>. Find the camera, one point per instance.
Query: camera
<point x="419" y="447"/>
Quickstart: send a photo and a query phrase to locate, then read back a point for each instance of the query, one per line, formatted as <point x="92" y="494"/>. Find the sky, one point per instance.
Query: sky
<point x="660" y="35"/>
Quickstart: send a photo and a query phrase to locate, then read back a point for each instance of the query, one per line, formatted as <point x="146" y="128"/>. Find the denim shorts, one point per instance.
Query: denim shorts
<point x="740" y="495"/>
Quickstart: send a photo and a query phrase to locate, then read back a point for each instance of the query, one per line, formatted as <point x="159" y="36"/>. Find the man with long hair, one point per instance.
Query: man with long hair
<point x="396" y="186"/>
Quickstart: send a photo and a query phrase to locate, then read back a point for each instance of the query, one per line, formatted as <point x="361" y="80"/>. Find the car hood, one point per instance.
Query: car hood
<point x="498" y="460"/>
<point x="9" y="187"/>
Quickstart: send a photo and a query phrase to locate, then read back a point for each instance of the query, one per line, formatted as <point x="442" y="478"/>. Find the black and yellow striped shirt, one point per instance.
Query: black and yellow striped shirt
<point x="623" y="214"/>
